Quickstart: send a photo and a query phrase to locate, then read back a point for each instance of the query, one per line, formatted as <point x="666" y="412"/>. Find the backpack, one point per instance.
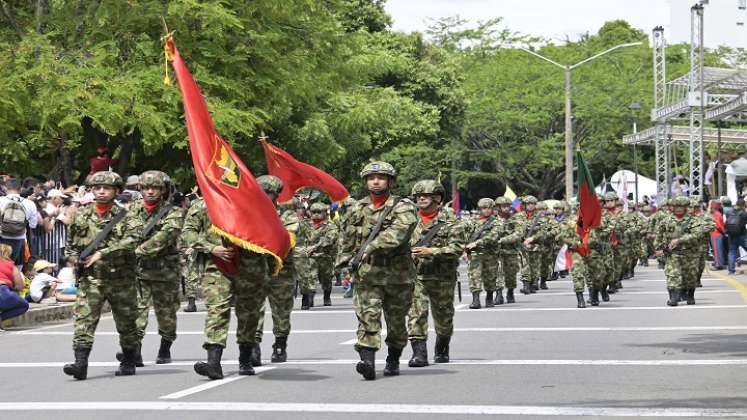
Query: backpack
<point x="13" y="219"/>
<point x="734" y="225"/>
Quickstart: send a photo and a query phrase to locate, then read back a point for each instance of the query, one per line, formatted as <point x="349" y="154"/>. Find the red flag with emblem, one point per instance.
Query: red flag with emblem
<point x="296" y="175"/>
<point x="238" y="207"/>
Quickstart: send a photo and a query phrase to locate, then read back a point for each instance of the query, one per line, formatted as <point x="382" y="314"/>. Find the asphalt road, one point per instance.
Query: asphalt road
<point x="536" y="359"/>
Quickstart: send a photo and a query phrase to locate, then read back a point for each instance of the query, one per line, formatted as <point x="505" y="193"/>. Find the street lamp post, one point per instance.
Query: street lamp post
<point x="633" y="107"/>
<point x="568" y="128"/>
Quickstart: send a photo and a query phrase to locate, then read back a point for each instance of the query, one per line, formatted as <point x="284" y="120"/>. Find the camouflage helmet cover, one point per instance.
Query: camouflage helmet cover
<point x="611" y="196"/>
<point x="485" y="203"/>
<point x="318" y="207"/>
<point x="105" y="178"/>
<point x="681" y="201"/>
<point x="561" y="205"/>
<point x="530" y="199"/>
<point x="270" y="183"/>
<point x="154" y="179"/>
<point x="503" y="201"/>
<point x="378" y="167"/>
<point x="541" y="205"/>
<point x="694" y="203"/>
<point x="428" y="186"/>
<point x="133" y="180"/>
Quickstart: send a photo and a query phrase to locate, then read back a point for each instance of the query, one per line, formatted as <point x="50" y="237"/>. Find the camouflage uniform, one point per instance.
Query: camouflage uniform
<point x="706" y="226"/>
<point x="111" y="279"/>
<point x="680" y="266"/>
<point x="550" y="249"/>
<point x="247" y="287"/>
<point x="436" y="278"/>
<point x="384" y="280"/>
<point x="510" y="235"/>
<point x="483" y="259"/>
<point x="535" y="227"/>
<point x="323" y="245"/>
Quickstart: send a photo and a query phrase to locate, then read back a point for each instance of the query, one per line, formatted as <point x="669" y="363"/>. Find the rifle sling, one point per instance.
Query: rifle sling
<point x="428" y="238"/>
<point x="485" y="226"/>
<point x="375" y="231"/>
<point x="102" y="235"/>
<point x="157" y="218"/>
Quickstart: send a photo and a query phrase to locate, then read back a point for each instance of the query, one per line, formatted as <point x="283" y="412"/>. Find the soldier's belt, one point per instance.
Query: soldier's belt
<point x="150" y="264"/>
<point x="440" y="267"/>
<point x="383" y="260"/>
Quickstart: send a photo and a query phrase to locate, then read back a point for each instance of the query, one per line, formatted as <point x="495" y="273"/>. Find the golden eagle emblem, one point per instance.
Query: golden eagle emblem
<point x="231" y="175"/>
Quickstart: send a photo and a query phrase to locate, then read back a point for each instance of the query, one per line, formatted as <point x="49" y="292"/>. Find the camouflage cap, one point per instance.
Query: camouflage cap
<point x="530" y="199"/>
<point x="503" y="201"/>
<point x="270" y="183"/>
<point x="541" y="205"/>
<point x="428" y="186"/>
<point x="318" y="207"/>
<point x="105" y="178"/>
<point x="680" y="201"/>
<point x="154" y="179"/>
<point x="383" y="168"/>
<point x="611" y="196"/>
<point x="133" y="180"/>
<point x="485" y="203"/>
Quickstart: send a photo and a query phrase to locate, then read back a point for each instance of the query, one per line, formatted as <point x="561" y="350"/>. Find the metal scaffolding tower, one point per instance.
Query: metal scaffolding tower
<point x="696" y="99"/>
<point x="660" y="89"/>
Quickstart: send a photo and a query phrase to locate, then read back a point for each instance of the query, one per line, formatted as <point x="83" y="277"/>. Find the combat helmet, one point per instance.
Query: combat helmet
<point x="611" y="196"/>
<point x="378" y="167"/>
<point x="541" y="206"/>
<point x="681" y="201"/>
<point x="485" y="203"/>
<point x="503" y="201"/>
<point x="318" y="207"/>
<point x="132" y="180"/>
<point x="530" y="199"/>
<point x="561" y="205"/>
<point x="270" y="183"/>
<point x="694" y="203"/>
<point x="154" y="179"/>
<point x="428" y="186"/>
<point x="109" y="178"/>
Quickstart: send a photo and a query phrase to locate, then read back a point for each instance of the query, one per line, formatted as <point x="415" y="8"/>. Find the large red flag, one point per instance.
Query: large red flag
<point x="238" y="207"/>
<point x="589" y="211"/>
<point x="296" y="175"/>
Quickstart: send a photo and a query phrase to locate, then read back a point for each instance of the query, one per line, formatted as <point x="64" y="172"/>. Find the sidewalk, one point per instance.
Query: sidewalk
<point x="45" y="312"/>
<point x="737" y="280"/>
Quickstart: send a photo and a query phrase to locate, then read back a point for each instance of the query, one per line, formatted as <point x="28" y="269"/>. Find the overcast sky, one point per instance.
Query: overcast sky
<point x="553" y="19"/>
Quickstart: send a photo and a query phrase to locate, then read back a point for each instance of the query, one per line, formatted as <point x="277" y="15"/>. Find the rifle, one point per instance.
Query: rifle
<point x="87" y="251"/>
<point x="478" y="233"/>
<point x="355" y="263"/>
<point x="157" y="218"/>
<point x="459" y="286"/>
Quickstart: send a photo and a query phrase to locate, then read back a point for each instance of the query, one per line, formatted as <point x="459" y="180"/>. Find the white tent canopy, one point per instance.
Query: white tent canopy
<point x="623" y="182"/>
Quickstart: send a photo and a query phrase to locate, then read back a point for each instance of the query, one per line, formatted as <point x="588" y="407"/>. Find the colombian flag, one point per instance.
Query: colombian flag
<point x="239" y="209"/>
<point x="296" y="175"/>
<point x="590" y="211"/>
<point x="515" y="200"/>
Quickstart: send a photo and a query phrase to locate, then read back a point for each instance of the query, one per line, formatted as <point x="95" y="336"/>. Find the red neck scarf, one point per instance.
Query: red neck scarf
<point x="102" y="209"/>
<point x="679" y="217"/>
<point x="530" y="214"/>
<point x="427" y="217"/>
<point x="483" y="217"/>
<point x="149" y="205"/>
<point x="318" y="223"/>
<point x="379" y="200"/>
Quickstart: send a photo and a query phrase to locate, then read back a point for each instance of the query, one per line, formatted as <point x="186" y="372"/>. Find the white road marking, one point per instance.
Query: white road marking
<point x="349" y="342"/>
<point x="506" y="410"/>
<point x="453" y="362"/>
<point x="461" y="306"/>
<point x="602" y="308"/>
<point x="211" y="384"/>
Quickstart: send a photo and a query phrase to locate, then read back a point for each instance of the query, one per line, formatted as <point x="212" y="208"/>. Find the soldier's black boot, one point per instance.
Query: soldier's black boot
<point x="442" y="349"/>
<point x="543" y="283"/>
<point x="683" y="295"/>
<point x="164" y="352"/>
<point x="533" y="286"/>
<point x="191" y="306"/>
<point x="127" y="365"/>
<point x="525" y="290"/>
<point x="328" y="298"/>
<point x="475" y="301"/>
<point x="619" y="284"/>
<point x="212" y="368"/>
<point x="580" y="299"/>
<point x="510" y="296"/>
<point x="311" y="299"/>
<point x="554" y="276"/>
<point x="489" y="299"/>
<point x="673" y="297"/>
<point x="660" y="264"/>
<point x="594" y="297"/>
<point x="419" y="354"/>
<point x="690" y="296"/>
<point x="278" y="350"/>
<point x="78" y="369"/>
<point x="138" y="355"/>
<point x="563" y="274"/>
<point x="245" y="359"/>
<point x="699" y="283"/>
<point x="305" y="302"/>
<point x="366" y="367"/>
<point x="498" y="297"/>
<point x="605" y="295"/>
<point x="392" y="362"/>
<point x="256" y="355"/>
<point x="611" y="289"/>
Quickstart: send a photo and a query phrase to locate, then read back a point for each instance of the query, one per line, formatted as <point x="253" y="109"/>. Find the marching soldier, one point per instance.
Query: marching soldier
<point x="482" y="255"/>
<point x="534" y="238"/>
<point x="93" y="238"/>
<point x="230" y="272"/>
<point x="437" y="244"/>
<point x="707" y="225"/>
<point x="510" y="236"/>
<point x="323" y="249"/>
<point x="376" y="252"/>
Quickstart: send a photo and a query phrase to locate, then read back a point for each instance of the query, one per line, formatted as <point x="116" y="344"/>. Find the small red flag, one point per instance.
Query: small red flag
<point x="589" y="211"/>
<point x="296" y="175"/>
<point x="238" y="207"/>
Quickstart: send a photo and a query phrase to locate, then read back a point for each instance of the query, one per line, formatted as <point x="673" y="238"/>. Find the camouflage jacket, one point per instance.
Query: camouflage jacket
<point x="447" y="246"/>
<point x="535" y="228"/>
<point x="324" y="240"/>
<point x="686" y="230"/>
<point x="388" y="260"/>
<point x="117" y="261"/>
<point x="510" y="235"/>
<point x="706" y="225"/>
<point x="486" y="238"/>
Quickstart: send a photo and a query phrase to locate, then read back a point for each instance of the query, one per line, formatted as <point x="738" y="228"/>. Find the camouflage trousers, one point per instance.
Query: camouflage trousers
<point x="531" y="265"/>
<point x="247" y="287"/>
<point x="164" y="296"/>
<point x="279" y="292"/>
<point x="547" y="264"/>
<point x="681" y="271"/>
<point x="92" y="293"/>
<point x="579" y="272"/>
<point x="194" y="268"/>
<point x="435" y="294"/>
<point x="510" y="265"/>
<point x="482" y="272"/>
<point x="324" y="268"/>
<point x="596" y="269"/>
<point x="370" y="301"/>
<point x="615" y="265"/>
<point x="306" y="274"/>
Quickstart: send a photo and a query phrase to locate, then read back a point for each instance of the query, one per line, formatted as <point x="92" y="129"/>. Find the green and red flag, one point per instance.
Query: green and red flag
<point x="296" y="175"/>
<point x="589" y="211"/>
<point x="238" y="207"/>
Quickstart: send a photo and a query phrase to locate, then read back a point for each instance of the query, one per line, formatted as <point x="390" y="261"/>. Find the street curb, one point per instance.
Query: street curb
<point x="737" y="284"/>
<point x="39" y="314"/>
